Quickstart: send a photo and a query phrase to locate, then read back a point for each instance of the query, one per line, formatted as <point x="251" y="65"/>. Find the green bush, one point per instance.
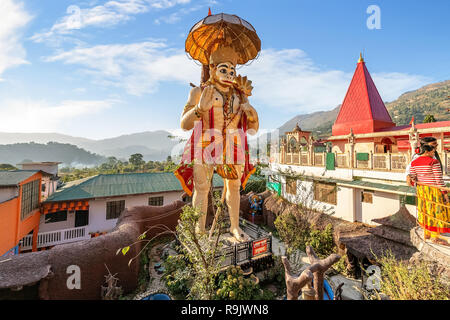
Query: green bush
<point x="322" y="241"/>
<point x="297" y="233"/>
<point x="293" y="230"/>
<point x="175" y="276"/>
<point x="255" y="184"/>
<point x="275" y="274"/>
<point x="233" y="286"/>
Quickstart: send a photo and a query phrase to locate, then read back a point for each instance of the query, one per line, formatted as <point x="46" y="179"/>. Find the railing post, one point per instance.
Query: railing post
<point x="389" y="160"/>
<point x="371" y="160"/>
<point x="445" y="162"/>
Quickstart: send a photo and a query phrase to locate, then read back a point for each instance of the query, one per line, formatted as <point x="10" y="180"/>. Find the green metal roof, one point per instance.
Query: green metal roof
<point x="110" y="185"/>
<point x="14" y="177"/>
<point x="390" y="188"/>
<point x="399" y="189"/>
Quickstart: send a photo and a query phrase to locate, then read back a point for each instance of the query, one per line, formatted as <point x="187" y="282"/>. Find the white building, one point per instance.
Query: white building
<point x="91" y="206"/>
<point x="362" y="177"/>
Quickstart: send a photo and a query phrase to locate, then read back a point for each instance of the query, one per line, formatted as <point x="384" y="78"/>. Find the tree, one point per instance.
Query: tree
<point x="429" y="118"/>
<point x="137" y="160"/>
<point x="6" y="166"/>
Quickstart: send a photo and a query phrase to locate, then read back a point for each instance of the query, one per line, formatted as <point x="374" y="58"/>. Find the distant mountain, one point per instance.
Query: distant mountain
<point x="153" y="145"/>
<point x="431" y="99"/>
<point x="320" y="122"/>
<point x="52" y="151"/>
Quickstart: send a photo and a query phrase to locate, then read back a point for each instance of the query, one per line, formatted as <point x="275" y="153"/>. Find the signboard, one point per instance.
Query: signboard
<point x="12" y="252"/>
<point x="259" y="247"/>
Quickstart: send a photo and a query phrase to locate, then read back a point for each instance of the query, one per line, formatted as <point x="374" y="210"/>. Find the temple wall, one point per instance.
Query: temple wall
<point x="383" y="204"/>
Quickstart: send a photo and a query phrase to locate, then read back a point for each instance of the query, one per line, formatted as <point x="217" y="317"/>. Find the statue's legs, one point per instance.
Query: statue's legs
<point x="233" y="202"/>
<point x="202" y="183"/>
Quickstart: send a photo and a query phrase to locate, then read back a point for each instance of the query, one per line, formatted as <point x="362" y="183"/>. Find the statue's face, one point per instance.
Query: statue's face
<point x="225" y="72"/>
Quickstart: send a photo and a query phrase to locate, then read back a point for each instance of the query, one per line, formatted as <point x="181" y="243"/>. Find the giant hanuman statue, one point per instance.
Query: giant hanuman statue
<point x="219" y="113"/>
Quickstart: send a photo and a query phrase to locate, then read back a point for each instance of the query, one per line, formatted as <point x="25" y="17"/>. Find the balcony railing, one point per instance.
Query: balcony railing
<point x="48" y="239"/>
<point x="374" y="161"/>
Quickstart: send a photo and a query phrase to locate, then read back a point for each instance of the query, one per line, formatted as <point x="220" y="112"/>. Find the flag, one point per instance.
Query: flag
<point x="412" y="120"/>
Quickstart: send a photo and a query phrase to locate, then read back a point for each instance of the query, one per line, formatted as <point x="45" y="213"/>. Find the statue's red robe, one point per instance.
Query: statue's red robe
<point x="185" y="172"/>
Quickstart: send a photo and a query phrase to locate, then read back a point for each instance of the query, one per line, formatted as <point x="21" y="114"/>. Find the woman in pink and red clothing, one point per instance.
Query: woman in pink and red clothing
<point x="433" y="213"/>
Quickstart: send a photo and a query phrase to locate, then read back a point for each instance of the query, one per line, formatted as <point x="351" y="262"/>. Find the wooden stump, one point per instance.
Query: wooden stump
<point x="316" y="270"/>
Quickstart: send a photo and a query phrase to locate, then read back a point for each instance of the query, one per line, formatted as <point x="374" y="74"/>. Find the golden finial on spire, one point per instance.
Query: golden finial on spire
<point x="360" y="58"/>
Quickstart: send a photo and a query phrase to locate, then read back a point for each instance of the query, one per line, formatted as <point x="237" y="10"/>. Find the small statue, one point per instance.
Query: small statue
<point x="255" y="204"/>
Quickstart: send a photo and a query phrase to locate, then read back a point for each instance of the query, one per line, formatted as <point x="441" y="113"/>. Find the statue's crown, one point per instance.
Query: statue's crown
<point x="223" y="54"/>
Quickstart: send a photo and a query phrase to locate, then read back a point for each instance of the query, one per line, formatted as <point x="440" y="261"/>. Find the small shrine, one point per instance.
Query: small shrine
<point x="298" y="139"/>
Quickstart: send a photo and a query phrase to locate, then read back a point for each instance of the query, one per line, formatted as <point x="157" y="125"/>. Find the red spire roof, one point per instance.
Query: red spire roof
<point x="363" y="110"/>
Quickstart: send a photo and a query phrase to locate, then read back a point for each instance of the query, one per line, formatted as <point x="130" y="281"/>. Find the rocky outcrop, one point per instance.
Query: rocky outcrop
<point x="401" y="220"/>
<point x="391" y="235"/>
<point x="436" y="256"/>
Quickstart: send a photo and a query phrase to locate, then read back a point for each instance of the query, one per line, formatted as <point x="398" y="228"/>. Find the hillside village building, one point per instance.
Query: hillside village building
<point x="20" y="200"/>
<point x="89" y="207"/>
<point x="363" y="176"/>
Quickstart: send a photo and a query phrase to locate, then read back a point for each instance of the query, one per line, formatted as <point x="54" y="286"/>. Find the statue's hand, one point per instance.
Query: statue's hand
<point x="194" y="96"/>
<point x="206" y="99"/>
<point x="249" y="111"/>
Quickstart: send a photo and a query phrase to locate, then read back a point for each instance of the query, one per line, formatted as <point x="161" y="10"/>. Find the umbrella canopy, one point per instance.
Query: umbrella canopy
<point x="222" y="30"/>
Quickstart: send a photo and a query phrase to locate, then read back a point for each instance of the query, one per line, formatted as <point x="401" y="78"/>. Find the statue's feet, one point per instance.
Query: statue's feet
<point x="239" y="235"/>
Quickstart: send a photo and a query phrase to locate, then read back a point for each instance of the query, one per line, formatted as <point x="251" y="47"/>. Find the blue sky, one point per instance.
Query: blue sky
<point x="119" y="67"/>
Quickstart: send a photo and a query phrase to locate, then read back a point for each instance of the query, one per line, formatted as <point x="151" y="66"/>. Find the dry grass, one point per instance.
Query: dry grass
<point x="405" y="281"/>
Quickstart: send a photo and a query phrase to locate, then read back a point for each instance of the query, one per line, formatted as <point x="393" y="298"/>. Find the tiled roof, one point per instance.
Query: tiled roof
<point x="110" y="185"/>
<point x="437" y="124"/>
<point x="14" y="177"/>
<point x="363" y="110"/>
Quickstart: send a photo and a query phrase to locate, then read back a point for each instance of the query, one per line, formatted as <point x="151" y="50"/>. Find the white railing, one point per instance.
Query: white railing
<point x="47" y="239"/>
<point x="376" y="161"/>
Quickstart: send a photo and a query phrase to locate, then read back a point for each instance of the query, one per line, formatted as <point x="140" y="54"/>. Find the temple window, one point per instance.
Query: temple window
<point x="367" y="196"/>
<point x="325" y="192"/>
<point x="291" y="186"/>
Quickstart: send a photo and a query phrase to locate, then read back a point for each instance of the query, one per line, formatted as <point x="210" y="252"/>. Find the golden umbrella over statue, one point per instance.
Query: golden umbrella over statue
<point x="222" y="29"/>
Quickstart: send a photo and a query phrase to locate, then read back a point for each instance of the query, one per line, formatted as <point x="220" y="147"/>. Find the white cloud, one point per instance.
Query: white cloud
<point x="290" y="80"/>
<point x="391" y="85"/>
<point x="13" y="19"/>
<point x="41" y="116"/>
<point x="138" y="67"/>
<point x="286" y="79"/>
<point x="177" y="15"/>
<point x="108" y="14"/>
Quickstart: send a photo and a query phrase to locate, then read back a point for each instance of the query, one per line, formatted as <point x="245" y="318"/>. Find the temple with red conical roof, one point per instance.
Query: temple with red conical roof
<point x="363" y="110"/>
<point x="363" y="177"/>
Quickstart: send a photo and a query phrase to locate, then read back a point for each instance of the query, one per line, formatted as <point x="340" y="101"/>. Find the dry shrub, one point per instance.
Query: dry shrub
<point x="406" y="281"/>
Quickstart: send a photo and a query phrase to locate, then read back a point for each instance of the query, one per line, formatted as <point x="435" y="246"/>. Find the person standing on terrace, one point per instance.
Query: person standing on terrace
<point x="426" y="140"/>
<point x="432" y="205"/>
